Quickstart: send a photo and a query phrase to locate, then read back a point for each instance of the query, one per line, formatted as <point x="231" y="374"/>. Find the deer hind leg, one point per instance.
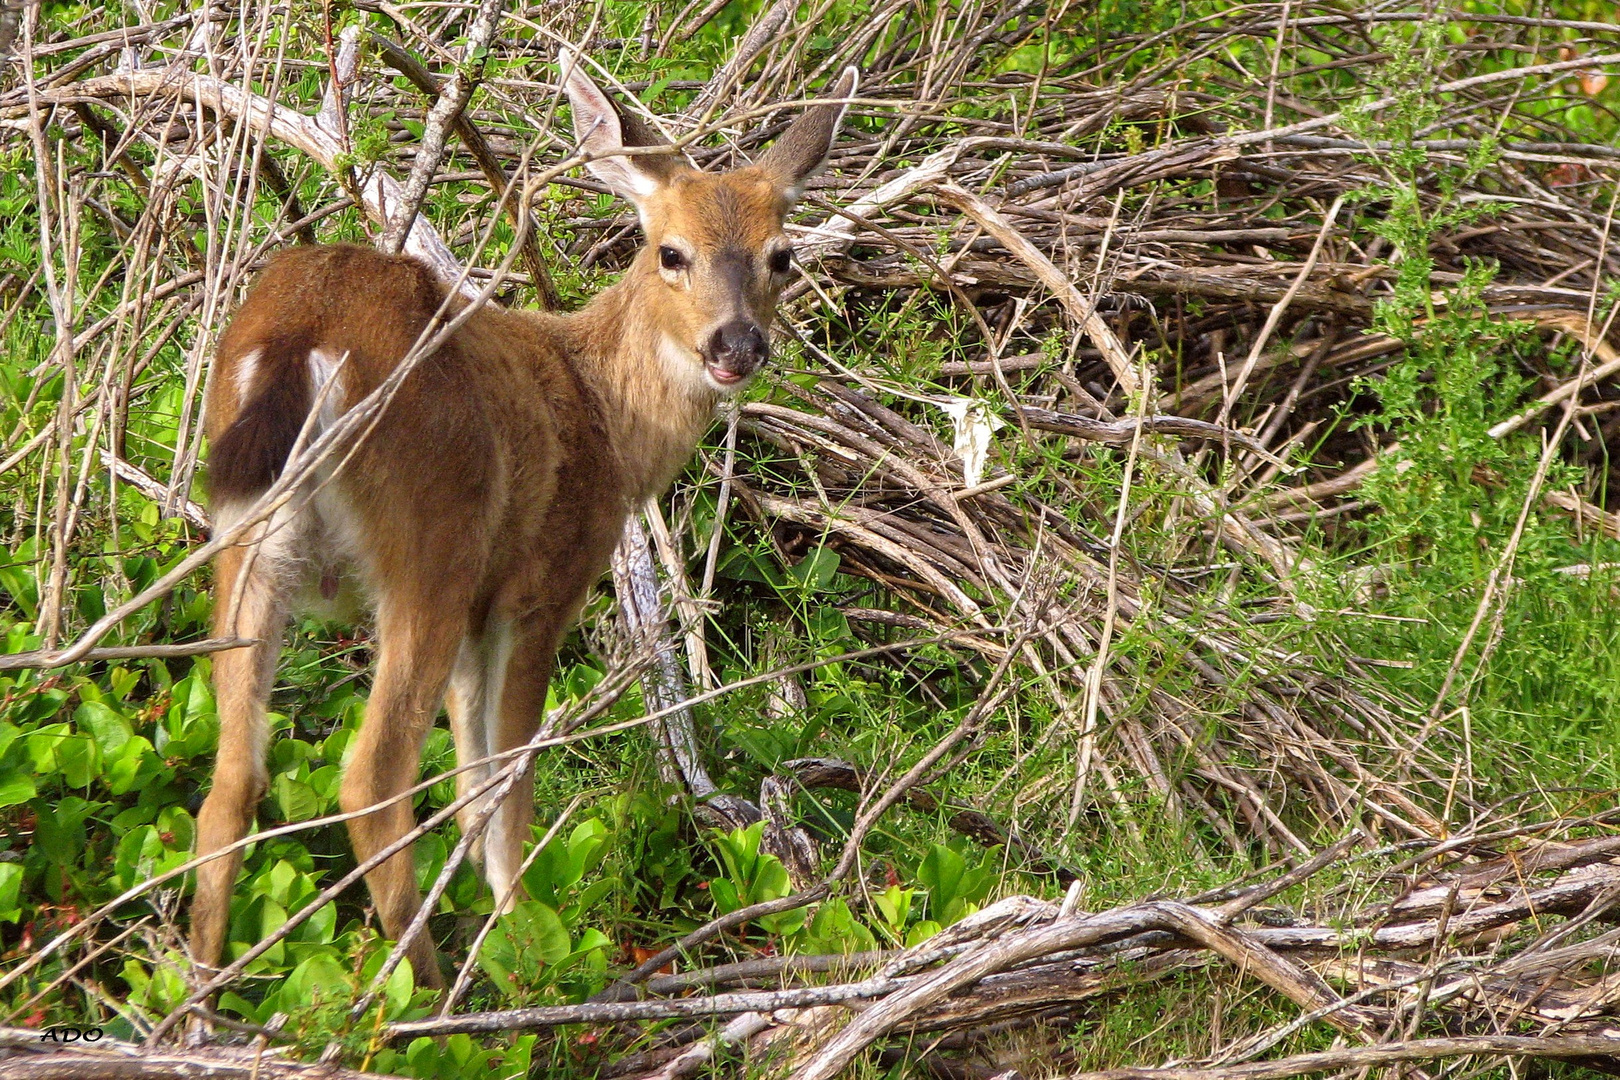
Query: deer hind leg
<point x="522" y="704"/>
<point x="420" y="639"/>
<point x="475" y="693"/>
<point x="249" y="601"/>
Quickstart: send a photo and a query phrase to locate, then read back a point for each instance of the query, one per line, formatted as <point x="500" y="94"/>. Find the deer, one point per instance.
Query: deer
<point x="474" y="517"/>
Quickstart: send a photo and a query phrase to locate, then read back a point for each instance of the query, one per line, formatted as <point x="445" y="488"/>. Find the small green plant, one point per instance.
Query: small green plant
<point x="1448" y="496"/>
<point x="538" y="948"/>
<point x="458" y="1057"/>
<point x="955" y="889"/>
<point x="834" y="929"/>
<point x="1450" y="478"/>
<point x="891" y="910"/>
<point x="752" y="877"/>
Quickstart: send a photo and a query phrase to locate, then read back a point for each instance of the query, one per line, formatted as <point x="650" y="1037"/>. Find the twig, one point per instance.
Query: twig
<point x="1274" y="316"/>
<point x="1081" y="310"/>
<point x="453" y="98"/>
<point x="478" y="146"/>
<point x="49" y="658"/>
<point x="989" y="699"/>
<point x="23" y="1056"/>
<point x="1370" y="1057"/>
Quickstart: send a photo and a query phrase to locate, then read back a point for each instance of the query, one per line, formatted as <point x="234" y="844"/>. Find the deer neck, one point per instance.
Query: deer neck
<point x="656" y="403"/>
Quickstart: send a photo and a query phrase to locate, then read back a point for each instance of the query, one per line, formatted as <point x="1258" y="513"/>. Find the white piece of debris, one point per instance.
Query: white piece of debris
<point x="975" y="426"/>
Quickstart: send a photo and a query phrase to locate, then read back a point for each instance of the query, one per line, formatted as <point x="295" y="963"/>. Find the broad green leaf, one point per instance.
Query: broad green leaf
<point x="78" y="760"/>
<point x="318" y="929"/>
<point x="16" y="787"/>
<point x="941" y="874"/>
<point x="10" y="885"/>
<point x="135" y="765"/>
<point x="297" y="800"/>
<point x="397" y="989"/>
<point x="319" y="978"/>
<point x="816" y="570"/>
<point x="921" y="932"/>
<point x="529" y="936"/>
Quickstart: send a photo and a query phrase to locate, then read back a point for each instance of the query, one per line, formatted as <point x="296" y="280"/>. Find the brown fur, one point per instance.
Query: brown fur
<point x="479" y="511"/>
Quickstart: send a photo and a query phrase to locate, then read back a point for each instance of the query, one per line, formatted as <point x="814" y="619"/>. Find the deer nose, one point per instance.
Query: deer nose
<point x="738" y="348"/>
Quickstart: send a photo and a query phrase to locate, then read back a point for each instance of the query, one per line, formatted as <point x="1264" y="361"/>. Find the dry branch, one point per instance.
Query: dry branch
<point x="25" y="1055"/>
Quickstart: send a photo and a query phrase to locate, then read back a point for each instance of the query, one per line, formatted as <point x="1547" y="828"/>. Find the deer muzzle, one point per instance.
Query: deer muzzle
<point x="735" y="351"/>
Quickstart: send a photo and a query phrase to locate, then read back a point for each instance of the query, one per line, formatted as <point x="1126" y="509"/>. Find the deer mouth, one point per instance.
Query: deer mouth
<point x="724" y="377"/>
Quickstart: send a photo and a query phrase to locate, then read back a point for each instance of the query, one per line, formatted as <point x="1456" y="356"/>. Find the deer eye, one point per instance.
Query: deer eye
<point x="671" y="259"/>
<point x="780" y="259"/>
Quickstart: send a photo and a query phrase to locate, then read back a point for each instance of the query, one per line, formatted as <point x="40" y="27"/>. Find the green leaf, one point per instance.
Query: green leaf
<point x="835" y="930"/>
<point x="137" y="856"/>
<point x="586" y="847"/>
<point x="815" y="571"/>
<point x="135" y="765"/>
<point x="159" y="990"/>
<point x="529" y="936"/>
<point x="785" y="923"/>
<point x="894" y="904"/>
<point x="10" y="887"/>
<point x="278" y="883"/>
<point x="921" y="932"/>
<point x="181" y="827"/>
<point x="123" y="681"/>
<point x="941" y="874"/>
<point x="725" y="896"/>
<point x="318" y="929"/>
<point x="16" y="787"/>
<point x="59" y="829"/>
<point x="8" y="735"/>
<point x="17" y="578"/>
<point x="297" y="800"/>
<point x="429" y="854"/>
<point x="238" y="1004"/>
<point x="397" y="990"/>
<point x="272" y="916"/>
<point x="78" y="760"/>
<point x="41" y="747"/>
<point x="318" y="978"/>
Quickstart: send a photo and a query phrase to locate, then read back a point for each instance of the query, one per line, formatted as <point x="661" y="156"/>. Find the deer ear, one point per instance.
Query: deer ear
<point x="602" y="131"/>
<point x="802" y="149"/>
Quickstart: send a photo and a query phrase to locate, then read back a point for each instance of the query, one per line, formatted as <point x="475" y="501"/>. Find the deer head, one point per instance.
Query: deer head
<point x="716" y="256"/>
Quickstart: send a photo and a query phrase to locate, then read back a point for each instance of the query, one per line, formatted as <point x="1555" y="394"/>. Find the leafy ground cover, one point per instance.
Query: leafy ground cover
<point x="1361" y="244"/>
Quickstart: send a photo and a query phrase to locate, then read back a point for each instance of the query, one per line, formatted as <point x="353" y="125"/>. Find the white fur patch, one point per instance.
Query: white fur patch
<point x="282" y="537"/>
<point x="685" y="369"/>
<point x="304" y="543"/>
<point x="246" y="368"/>
<point x="468" y="688"/>
<point x="328" y="400"/>
<point x="499" y="869"/>
<point x="497" y="655"/>
<point x="277" y="540"/>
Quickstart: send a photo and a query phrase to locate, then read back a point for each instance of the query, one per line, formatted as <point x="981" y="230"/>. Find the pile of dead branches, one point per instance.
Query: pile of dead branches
<point x="1428" y="948"/>
<point x="1426" y="952"/>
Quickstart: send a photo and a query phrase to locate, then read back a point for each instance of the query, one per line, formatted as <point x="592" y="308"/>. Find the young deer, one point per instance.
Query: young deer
<point x="479" y="511"/>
